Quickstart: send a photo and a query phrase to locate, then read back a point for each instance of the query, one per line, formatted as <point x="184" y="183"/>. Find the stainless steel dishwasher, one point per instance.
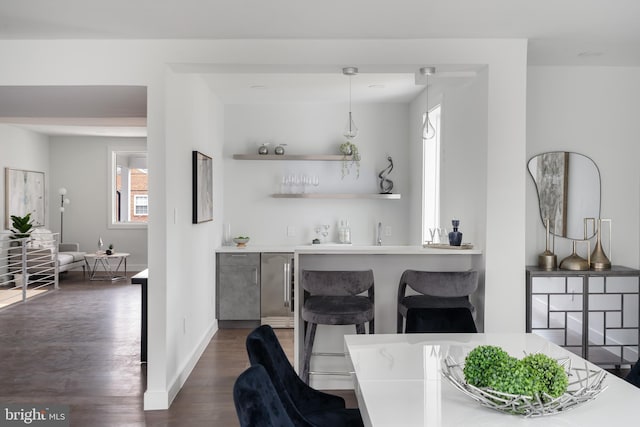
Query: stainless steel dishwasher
<point x="276" y="289"/>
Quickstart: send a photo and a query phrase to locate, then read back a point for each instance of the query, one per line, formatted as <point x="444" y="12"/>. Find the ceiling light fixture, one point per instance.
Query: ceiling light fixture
<point x="350" y="130"/>
<point x="428" y="131"/>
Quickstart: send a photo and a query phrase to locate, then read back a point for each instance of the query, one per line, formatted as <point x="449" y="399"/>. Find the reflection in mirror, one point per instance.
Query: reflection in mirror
<point x="568" y="186"/>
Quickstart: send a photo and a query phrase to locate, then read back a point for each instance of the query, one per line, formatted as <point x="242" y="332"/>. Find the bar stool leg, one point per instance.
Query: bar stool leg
<point x="400" y="318"/>
<point x="372" y="329"/>
<point x="310" y="336"/>
<point x="360" y="328"/>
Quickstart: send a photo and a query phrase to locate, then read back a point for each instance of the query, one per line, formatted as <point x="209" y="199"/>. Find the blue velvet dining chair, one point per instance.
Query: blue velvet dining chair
<point x="298" y="398"/>
<point x="634" y="374"/>
<point x="257" y="402"/>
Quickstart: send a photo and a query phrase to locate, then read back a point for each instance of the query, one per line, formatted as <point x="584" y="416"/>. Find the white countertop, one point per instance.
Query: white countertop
<point x="255" y="248"/>
<point x="337" y="248"/>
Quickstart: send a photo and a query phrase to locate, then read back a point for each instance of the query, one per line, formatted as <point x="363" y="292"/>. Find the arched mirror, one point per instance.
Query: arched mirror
<point x="568" y="187"/>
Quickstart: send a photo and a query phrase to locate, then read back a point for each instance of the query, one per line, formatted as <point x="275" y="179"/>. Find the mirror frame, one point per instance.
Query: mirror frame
<point x="590" y="233"/>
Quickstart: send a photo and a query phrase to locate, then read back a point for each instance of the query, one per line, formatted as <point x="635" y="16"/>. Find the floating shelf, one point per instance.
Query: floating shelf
<point x="337" y="196"/>
<point x="315" y="157"/>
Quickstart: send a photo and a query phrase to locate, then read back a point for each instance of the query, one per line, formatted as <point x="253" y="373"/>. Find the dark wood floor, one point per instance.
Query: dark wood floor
<point x="80" y="346"/>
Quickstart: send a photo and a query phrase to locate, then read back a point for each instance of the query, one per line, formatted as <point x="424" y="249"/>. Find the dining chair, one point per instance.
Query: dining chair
<point x="432" y="320"/>
<point x="257" y="402"/>
<point x="315" y="406"/>
<point x="634" y="374"/>
<point x="435" y="289"/>
<point x="333" y="298"/>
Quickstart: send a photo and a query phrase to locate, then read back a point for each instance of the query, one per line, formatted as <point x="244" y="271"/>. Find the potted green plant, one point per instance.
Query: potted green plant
<point x="22" y="226"/>
<point x="350" y="158"/>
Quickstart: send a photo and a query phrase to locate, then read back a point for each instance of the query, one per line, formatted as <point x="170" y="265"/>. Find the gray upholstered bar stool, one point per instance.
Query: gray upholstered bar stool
<point x="332" y="298"/>
<point x="435" y="289"/>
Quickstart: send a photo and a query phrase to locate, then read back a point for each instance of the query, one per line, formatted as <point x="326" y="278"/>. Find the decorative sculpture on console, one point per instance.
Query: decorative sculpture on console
<point x="386" y="185"/>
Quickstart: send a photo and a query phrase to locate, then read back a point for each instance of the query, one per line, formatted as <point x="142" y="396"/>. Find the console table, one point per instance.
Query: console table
<point x="593" y="314"/>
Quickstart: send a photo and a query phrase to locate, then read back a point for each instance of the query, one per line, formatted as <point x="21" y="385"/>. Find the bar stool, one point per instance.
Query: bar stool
<point x="331" y="298"/>
<point x="435" y="289"/>
<point x="455" y="320"/>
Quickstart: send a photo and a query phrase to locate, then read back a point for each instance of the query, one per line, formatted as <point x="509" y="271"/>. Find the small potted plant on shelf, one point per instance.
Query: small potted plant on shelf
<point x="350" y="158"/>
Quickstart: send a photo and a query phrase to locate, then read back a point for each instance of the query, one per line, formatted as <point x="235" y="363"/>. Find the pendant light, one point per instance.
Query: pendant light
<point x="350" y="130"/>
<point x="428" y="131"/>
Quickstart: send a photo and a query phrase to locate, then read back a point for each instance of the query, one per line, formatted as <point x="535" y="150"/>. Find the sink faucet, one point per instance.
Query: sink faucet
<point x="379" y="235"/>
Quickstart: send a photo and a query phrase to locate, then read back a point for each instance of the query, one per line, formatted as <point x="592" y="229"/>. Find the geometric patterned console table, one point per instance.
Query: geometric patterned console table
<point x="593" y="314"/>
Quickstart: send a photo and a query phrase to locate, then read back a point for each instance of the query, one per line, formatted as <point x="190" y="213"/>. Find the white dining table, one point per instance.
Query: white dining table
<point x="398" y="382"/>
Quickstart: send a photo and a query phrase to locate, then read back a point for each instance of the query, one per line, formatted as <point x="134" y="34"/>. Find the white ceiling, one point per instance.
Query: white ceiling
<point x="567" y="32"/>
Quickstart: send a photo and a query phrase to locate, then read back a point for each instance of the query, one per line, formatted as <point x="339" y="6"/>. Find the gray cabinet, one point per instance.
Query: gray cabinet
<point x="591" y="313"/>
<point x="238" y="289"/>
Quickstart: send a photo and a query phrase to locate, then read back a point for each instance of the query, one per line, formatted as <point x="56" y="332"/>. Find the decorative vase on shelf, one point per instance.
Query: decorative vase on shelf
<point x="547" y="260"/>
<point x="455" y="236"/>
<point x="279" y="150"/>
<point x="264" y="149"/>
<point x="599" y="260"/>
<point x="574" y="261"/>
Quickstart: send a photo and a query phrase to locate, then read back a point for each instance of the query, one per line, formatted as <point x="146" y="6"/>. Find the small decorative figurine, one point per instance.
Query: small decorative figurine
<point x="386" y="185"/>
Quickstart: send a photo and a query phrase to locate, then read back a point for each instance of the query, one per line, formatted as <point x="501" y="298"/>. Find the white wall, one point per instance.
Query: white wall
<point x="23" y="149"/>
<point x="593" y="111"/>
<point x="314" y="129"/>
<point x="81" y="165"/>
<point x="194" y="117"/>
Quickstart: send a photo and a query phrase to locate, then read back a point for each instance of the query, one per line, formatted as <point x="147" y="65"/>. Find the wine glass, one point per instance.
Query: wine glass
<point x="315" y="181"/>
<point x="325" y="231"/>
<point x="432" y="232"/>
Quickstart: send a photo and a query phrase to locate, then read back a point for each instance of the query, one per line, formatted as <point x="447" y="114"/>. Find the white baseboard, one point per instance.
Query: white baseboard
<point x="158" y="400"/>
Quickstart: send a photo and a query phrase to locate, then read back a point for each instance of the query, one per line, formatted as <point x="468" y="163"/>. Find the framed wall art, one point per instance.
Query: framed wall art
<point x="202" y="188"/>
<point x="24" y="193"/>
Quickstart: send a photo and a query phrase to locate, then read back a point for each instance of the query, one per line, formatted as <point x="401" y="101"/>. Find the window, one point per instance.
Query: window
<point x="431" y="177"/>
<point x="141" y="205"/>
<point x="128" y="188"/>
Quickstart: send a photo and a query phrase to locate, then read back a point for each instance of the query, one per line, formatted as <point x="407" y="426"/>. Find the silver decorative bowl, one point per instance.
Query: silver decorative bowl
<point x="240" y="241"/>
<point x="585" y="384"/>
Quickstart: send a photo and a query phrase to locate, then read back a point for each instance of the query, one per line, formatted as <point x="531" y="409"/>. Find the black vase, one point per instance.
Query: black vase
<point x="455" y="237"/>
